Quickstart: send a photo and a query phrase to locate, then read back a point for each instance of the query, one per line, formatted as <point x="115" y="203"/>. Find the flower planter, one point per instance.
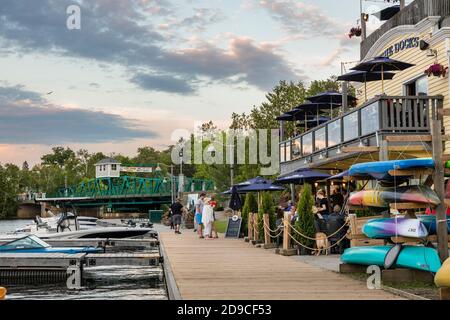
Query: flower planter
<point x="436" y="70"/>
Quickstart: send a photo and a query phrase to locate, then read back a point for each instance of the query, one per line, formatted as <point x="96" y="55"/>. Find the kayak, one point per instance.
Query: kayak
<point x="442" y="278"/>
<point x="430" y="223"/>
<point x="382" y="198"/>
<point x="379" y="170"/>
<point x="2" y="293"/>
<point x="385" y="228"/>
<point x="411" y="257"/>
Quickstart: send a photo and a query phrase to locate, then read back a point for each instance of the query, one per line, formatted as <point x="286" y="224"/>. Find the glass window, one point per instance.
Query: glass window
<point x="282" y="152"/>
<point x="334" y="133"/>
<point x="114" y="167"/>
<point x="320" y="139"/>
<point x="296" y="148"/>
<point x="307" y="144"/>
<point x="288" y="151"/>
<point x="351" y="126"/>
<point x="422" y="86"/>
<point x="370" y="119"/>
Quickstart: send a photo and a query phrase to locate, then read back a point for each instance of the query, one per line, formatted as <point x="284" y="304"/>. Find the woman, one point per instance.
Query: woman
<point x="207" y="218"/>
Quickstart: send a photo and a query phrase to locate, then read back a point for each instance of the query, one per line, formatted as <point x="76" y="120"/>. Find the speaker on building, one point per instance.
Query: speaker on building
<point x="423" y="45"/>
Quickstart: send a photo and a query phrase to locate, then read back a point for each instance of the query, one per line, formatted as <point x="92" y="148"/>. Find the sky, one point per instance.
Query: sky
<point x="138" y="70"/>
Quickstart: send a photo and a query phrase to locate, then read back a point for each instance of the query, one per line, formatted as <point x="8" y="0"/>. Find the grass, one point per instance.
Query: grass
<point x="221" y="226"/>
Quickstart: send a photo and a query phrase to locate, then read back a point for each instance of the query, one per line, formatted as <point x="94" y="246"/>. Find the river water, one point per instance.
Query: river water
<point x="102" y="283"/>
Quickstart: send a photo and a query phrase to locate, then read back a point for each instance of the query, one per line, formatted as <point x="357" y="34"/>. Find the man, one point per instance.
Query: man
<point x="336" y="221"/>
<point x="198" y="213"/>
<point x="337" y="199"/>
<point x="177" y="211"/>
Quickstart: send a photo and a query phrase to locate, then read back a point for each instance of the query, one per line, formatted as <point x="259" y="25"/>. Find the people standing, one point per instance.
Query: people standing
<point x="177" y="212"/>
<point x="213" y="204"/>
<point x="322" y="204"/>
<point x="207" y="218"/>
<point x="198" y="213"/>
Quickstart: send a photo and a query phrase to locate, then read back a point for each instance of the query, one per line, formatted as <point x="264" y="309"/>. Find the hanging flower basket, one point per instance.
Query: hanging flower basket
<point x="355" y="32"/>
<point x="436" y="70"/>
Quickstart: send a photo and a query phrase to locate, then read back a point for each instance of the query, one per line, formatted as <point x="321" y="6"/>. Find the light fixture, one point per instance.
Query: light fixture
<point x="432" y="53"/>
<point x="365" y="17"/>
<point x="338" y="151"/>
<point x="344" y="184"/>
<point x="423" y="45"/>
<point x="316" y="184"/>
<point x="321" y="156"/>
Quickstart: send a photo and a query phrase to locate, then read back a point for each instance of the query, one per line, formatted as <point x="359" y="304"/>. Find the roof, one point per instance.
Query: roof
<point x="108" y="161"/>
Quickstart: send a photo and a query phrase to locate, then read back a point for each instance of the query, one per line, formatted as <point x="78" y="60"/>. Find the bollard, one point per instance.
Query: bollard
<point x="286" y="232"/>
<point x="266" y="229"/>
<point x="255" y="227"/>
<point x="250" y="226"/>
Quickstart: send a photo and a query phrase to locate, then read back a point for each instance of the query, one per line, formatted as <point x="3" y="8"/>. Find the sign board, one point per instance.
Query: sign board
<point x="402" y="45"/>
<point x="137" y="169"/>
<point x="233" y="227"/>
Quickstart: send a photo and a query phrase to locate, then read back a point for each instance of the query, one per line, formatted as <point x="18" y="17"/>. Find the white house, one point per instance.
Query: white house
<point x="107" y="168"/>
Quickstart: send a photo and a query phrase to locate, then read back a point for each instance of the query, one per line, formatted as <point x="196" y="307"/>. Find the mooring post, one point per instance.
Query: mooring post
<point x="250" y="226"/>
<point x="255" y="227"/>
<point x="286" y="232"/>
<point x="266" y="229"/>
<point x="439" y="188"/>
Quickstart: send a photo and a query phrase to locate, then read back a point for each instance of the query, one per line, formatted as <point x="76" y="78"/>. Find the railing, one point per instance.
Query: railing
<point x="128" y="186"/>
<point x="410" y="15"/>
<point x="399" y="114"/>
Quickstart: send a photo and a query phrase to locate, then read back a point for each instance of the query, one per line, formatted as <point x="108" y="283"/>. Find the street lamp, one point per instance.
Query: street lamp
<point x="159" y="170"/>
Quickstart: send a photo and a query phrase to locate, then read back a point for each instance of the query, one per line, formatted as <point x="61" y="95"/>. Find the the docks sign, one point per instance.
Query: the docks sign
<point x="402" y="45"/>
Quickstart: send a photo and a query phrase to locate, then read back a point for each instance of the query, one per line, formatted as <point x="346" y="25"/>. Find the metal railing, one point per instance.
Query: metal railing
<point x="399" y="114"/>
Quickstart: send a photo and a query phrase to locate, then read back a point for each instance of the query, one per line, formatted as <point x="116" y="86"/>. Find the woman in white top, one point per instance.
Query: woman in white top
<point x="207" y="218"/>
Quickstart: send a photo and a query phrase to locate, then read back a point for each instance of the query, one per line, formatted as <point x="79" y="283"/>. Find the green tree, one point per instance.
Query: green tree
<point x="9" y="189"/>
<point x="265" y="207"/>
<point x="305" y="222"/>
<point x="250" y="206"/>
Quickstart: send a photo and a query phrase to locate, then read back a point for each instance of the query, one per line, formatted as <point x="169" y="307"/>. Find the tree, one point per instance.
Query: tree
<point x="266" y="207"/>
<point x="250" y="206"/>
<point x="305" y="222"/>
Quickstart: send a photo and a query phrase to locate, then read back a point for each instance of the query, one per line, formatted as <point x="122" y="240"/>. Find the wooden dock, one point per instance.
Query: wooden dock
<point x="233" y="269"/>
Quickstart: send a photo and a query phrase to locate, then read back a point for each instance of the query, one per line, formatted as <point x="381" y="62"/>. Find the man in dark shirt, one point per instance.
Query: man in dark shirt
<point x="177" y="211"/>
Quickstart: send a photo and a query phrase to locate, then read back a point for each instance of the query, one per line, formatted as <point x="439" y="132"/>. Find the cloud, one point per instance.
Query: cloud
<point x="122" y="32"/>
<point x="27" y="118"/>
<point x="301" y="18"/>
<point x="165" y="83"/>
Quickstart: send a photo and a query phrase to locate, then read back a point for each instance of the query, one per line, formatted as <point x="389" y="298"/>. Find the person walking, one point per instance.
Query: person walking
<point x="207" y="218"/>
<point x="198" y="214"/>
<point x="177" y="212"/>
<point x="213" y="204"/>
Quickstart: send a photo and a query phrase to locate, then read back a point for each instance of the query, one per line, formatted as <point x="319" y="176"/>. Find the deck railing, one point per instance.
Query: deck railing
<point x="410" y="15"/>
<point x="397" y="114"/>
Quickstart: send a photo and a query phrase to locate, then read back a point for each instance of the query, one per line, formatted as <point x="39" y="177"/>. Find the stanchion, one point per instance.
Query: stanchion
<point x="287" y="250"/>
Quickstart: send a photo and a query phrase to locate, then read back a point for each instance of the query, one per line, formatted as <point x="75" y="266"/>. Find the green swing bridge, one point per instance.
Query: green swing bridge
<point x="126" y="192"/>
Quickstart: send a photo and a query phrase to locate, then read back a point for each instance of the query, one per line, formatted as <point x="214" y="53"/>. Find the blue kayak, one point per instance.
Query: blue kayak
<point x="385" y="228"/>
<point x="430" y="223"/>
<point x="411" y="257"/>
<point x="379" y="170"/>
<point x="33" y="244"/>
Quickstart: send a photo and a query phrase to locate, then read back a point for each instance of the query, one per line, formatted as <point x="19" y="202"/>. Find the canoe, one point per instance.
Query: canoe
<point x="385" y="228"/>
<point x="430" y="223"/>
<point x="411" y="257"/>
<point x="379" y="170"/>
<point x="442" y="278"/>
<point x="383" y="197"/>
<point x="2" y="293"/>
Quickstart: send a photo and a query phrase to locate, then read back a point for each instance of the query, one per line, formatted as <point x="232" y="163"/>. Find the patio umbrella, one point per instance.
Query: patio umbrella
<point x="312" y="122"/>
<point x="302" y="176"/>
<point x="314" y="107"/>
<point x="339" y="176"/>
<point x="364" y="76"/>
<point x="235" y="201"/>
<point x="382" y="64"/>
<point x="387" y="13"/>
<point x="332" y="97"/>
<point x="239" y="186"/>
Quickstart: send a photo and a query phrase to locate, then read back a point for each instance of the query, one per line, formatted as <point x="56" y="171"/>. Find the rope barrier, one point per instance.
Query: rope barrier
<point x="279" y="230"/>
<point x="313" y="249"/>
<point x="315" y="239"/>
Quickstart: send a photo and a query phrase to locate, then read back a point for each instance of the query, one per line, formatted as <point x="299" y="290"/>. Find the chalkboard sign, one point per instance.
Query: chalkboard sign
<point x="233" y="227"/>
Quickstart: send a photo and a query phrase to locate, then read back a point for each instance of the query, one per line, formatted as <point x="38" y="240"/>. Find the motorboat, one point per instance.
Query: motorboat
<point x="33" y="244"/>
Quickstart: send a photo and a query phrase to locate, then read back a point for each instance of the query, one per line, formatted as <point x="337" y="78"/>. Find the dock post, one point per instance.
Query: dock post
<point x="439" y="188"/>
<point x="255" y="228"/>
<point x="250" y="226"/>
<point x="287" y="250"/>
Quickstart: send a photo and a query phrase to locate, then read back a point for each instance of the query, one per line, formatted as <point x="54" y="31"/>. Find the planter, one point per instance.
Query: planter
<point x="436" y="70"/>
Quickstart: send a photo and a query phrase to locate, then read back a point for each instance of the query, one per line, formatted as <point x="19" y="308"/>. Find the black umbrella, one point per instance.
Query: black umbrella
<point x="387" y="13"/>
<point x="312" y="122"/>
<point x="364" y="76"/>
<point x="235" y="202"/>
<point x="302" y="176"/>
<point x="314" y="107"/>
<point x="382" y="64"/>
<point x="330" y="97"/>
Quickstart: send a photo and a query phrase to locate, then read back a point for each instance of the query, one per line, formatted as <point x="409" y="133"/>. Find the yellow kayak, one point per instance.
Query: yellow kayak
<point x="442" y="278"/>
<point x="2" y="293"/>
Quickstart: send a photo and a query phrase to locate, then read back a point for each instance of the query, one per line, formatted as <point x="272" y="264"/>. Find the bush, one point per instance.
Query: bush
<point x="250" y="205"/>
<point x="305" y="222"/>
<point x="266" y="207"/>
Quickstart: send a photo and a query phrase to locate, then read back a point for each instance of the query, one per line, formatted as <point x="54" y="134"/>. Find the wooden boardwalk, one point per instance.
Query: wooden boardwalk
<point x="233" y="269"/>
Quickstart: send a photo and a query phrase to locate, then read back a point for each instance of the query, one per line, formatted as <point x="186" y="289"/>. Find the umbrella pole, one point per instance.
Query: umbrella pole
<point x="382" y="79"/>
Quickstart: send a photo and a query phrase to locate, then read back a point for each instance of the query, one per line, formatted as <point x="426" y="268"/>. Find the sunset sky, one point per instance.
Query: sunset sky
<point x="139" y="69"/>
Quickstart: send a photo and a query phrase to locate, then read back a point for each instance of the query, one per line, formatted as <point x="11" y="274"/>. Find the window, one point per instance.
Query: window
<point x="288" y="151"/>
<point x="370" y="119"/>
<point x="307" y="144"/>
<point x="296" y="148"/>
<point x="283" y="152"/>
<point x="334" y="133"/>
<point x="319" y="139"/>
<point x="351" y="126"/>
<point x="417" y="87"/>
<point x="100" y="168"/>
<point x="114" y="167"/>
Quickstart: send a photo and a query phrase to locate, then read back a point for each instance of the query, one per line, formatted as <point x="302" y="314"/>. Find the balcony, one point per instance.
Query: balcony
<point x="410" y="15"/>
<point x="365" y="126"/>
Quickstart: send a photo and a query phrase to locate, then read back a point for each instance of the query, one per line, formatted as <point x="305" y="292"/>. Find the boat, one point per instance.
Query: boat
<point x="385" y="228"/>
<point x="3" y="292"/>
<point x="442" y="278"/>
<point x="379" y="170"/>
<point x="32" y="244"/>
<point x="383" y="197"/>
<point x="430" y="223"/>
<point x="411" y="257"/>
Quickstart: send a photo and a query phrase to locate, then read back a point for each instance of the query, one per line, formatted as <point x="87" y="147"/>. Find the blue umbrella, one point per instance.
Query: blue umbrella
<point x="239" y="186"/>
<point x="382" y="64"/>
<point x="328" y="97"/>
<point x="339" y="176"/>
<point x="365" y="76"/>
<point x="302" y="176"/>
<point x="261" y="187"/>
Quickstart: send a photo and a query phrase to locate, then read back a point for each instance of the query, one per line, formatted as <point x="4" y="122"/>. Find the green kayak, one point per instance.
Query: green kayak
<point x="411" y="257"/>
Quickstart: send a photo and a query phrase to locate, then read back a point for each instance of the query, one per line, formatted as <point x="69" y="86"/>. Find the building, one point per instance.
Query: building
<point x="107" y="168"/>
<point x="396" y="124"/>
